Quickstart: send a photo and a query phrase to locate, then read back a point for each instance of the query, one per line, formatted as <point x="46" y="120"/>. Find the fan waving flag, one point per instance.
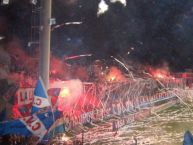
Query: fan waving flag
<point x="40" y="97"/>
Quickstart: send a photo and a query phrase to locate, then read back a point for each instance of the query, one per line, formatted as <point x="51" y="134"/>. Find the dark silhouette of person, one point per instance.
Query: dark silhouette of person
<point x="188" y="138"/>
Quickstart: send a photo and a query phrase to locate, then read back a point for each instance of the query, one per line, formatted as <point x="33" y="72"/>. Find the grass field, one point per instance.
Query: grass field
<point x="165" y="128"/>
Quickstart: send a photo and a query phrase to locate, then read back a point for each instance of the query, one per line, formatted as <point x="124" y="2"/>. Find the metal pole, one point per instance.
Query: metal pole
<point x="45" y="37"/>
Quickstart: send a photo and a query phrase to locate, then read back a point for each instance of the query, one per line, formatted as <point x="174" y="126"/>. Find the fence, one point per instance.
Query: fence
<point x="133" y="104"/>
<point x="138" y="108"/>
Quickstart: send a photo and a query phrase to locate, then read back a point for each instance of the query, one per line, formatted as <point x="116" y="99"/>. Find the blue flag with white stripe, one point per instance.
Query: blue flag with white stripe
<point x="36" y="124"/>
<point x="40" y="97"/>
<point x="57" y="127"/>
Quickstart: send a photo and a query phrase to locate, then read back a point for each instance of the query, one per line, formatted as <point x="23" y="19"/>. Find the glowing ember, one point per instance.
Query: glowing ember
<point x="113" y="78"/>
<point x="159" y="75"/>
<point x="64" y="92"/>
<point x="64" y="138"/>
<point x="69" y="94"/>
<point x="115" y="75"/>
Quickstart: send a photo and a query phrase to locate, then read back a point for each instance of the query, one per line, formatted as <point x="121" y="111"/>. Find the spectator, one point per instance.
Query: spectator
<point x="188" y="138"/>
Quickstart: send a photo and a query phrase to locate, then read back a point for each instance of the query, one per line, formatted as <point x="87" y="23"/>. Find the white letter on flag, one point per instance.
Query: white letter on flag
<point x="40" y="97"/>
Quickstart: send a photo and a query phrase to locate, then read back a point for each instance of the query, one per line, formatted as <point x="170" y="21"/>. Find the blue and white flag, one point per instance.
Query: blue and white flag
<point x="57" y="127"/>
<point x="37" y="125"/>
<point x="40" y="97"/>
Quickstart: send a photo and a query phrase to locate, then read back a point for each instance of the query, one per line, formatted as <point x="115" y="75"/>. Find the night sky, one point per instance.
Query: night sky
<point x="153" y="31"/>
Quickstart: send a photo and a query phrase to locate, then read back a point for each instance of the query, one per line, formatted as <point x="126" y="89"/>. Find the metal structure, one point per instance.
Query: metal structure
<point x="45" y="36"/>
<point x="35" y="26"/>
<point x="41" y="22"/>
<point x="89" y="88"/>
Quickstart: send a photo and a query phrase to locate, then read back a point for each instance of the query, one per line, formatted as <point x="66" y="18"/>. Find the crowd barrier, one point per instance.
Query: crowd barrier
<point x="137" y="110"/>
<point x="130" y="118"/>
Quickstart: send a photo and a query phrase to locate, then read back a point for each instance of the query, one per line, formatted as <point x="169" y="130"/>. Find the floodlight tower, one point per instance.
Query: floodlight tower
<point x="45" y="36"/>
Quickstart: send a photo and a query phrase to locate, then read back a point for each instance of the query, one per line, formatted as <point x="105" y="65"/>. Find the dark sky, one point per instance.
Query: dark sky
<point x="158" y="30"/>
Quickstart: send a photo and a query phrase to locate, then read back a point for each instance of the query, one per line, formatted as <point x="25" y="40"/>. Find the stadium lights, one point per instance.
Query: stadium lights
<point x="34" y="2"/>
<point x="5" y="2"/>
<point x="2" y="37"/>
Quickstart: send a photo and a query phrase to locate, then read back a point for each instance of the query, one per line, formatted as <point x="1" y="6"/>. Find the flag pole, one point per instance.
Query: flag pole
<point x="45" y="42"/>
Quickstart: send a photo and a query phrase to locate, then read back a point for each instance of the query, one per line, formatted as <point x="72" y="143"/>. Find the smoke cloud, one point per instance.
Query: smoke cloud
<point x="158" y="30"/>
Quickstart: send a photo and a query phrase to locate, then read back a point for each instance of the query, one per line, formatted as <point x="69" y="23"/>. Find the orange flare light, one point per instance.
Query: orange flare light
<point x="159" y="75"/>
<point x="113" y="78"/>
<point x="64" y="92"/>
<point x="115" y="75"/>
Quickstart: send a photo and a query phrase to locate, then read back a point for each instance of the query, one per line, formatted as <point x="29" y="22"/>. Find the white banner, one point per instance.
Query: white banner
<point x="25" y="96"/>
<point x="34" y="125"/>
<point x="40" y="102"/>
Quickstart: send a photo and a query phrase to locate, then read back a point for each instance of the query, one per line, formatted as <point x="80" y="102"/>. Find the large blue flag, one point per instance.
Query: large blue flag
<point x="57" y="127"/>
<point x="40" y="97"/>
<point x="37" y="125"/>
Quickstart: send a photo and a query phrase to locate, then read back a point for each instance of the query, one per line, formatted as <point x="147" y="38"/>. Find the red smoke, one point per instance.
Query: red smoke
<point x="59" y="69"/>
<point x="72" y="98"/>
<point x="68" y="94"/>
<point x="115" y="75"/>
<point x="81" y="73"/>
<point x="159" y="73"/>
<point x="23" y="68"/>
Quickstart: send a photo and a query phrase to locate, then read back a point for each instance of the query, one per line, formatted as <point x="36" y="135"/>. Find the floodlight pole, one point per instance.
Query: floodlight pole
<point x="45" y="36"/>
